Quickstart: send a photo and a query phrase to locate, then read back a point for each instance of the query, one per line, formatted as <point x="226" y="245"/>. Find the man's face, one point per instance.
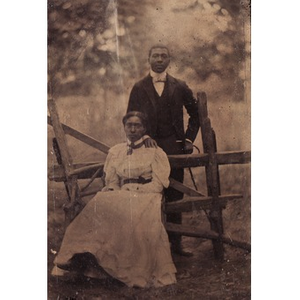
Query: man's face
<point x="159" y="59"/>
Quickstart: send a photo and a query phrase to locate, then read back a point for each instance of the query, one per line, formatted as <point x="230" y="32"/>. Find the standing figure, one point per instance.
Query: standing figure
<point x="162" y="98"/>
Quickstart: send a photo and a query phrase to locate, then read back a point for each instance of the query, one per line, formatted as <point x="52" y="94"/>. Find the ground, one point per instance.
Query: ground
<point x="199" y="277"/>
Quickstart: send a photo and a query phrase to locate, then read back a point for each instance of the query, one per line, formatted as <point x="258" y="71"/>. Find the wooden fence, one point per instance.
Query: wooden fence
<point x="214" y="203"/>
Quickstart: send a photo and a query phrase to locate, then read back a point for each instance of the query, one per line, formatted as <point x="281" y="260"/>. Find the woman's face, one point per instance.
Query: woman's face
<point x="134" y="129"/>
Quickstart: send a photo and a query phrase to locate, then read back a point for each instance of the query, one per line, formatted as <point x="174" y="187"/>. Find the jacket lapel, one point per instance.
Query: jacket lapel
<point x="148" y="86"/>
<point x="171" y="86"/>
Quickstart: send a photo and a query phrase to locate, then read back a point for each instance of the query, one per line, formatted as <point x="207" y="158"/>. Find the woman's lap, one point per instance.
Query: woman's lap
<point x="124" y="231"/>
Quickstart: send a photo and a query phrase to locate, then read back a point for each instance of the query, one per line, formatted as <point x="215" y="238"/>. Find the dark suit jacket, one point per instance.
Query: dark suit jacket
<point x="142" y="99"/>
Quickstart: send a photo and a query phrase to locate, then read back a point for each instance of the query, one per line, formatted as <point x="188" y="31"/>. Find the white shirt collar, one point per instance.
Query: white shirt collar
<point x="159" y="76"/>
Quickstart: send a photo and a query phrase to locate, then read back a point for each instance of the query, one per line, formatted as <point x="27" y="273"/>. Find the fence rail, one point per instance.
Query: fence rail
<point x="68" y="172"/>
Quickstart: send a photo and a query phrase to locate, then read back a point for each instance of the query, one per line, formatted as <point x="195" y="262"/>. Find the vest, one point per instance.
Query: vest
<point x="165" y="126"/>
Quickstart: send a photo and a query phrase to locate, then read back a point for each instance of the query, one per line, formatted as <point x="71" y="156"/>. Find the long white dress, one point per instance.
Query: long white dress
<point x="122" y="228"/>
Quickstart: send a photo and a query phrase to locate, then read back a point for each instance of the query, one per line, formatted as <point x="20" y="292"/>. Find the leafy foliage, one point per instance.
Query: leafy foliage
<point x="97" y="44"/>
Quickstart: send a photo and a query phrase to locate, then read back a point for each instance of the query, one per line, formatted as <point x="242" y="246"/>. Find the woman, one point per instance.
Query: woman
<point x="120" y="229"/>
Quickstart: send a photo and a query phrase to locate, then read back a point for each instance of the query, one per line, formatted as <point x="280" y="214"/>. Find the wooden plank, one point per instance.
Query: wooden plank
<point x="66" y="159"/>
<point x="193" y="231"/>
<point x="196" y="203"/>
<point x="56" y="172"/>
<point x="83" y="137"/>
<point x="214" y="166"/>
<point x="59" y="161"/>
<point x="203" y="113"/>
<point x="183" y="188"/>
<point x="212" y="174"/>
<point x="188" y="160"/>
<point x="91" y="191"/>
<point x="83" y="169"/>
<point x="233" y="157"/>
<point x="198" y="160"/>
<point x="207" y="137"/>
<point x="70" y="210"/>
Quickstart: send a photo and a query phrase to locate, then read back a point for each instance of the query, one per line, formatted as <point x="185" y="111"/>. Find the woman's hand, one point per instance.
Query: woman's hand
<point x="107" y="189"/>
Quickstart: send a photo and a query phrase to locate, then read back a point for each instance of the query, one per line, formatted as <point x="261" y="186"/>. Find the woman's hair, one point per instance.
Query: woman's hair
<point x="138" y="114"/>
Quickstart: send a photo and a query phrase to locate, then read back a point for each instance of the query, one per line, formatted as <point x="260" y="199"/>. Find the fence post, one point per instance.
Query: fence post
<point x="64" y="157"/>
<point x="212" y="174"/>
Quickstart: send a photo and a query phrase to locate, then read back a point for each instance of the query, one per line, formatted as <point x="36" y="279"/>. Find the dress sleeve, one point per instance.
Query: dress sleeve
<point x="111" y="178"/>
<point x="160" y="173"/>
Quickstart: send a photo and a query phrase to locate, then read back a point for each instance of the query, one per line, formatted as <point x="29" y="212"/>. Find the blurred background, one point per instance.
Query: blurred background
<point x="97" y="50"/>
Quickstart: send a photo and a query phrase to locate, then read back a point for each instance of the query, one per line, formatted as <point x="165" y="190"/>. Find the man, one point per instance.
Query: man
<point x="162" y="98"/>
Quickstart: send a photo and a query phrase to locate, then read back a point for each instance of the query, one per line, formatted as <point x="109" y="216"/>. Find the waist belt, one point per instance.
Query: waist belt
<point x="140" y="180"/>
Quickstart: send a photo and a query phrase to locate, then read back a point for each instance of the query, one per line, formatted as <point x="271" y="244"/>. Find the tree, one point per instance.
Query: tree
<point x="92" y="42"/>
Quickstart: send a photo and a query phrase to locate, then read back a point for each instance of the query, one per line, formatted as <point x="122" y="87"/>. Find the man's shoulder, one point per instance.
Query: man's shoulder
<point x="142" y="81"/>
<point x="176" y="81"/>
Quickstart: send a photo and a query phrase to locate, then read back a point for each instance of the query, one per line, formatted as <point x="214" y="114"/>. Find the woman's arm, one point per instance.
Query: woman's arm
<point x="112" y="181"/>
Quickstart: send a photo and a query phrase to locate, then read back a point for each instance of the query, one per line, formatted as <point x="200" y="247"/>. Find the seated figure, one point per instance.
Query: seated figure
<point x="120" y="232"/>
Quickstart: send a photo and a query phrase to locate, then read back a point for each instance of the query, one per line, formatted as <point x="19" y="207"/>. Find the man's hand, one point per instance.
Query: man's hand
<point x="150" y="143"/>
<point x="188" y="148"/>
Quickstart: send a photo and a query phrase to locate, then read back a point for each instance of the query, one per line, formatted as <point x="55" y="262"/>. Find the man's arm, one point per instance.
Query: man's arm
<point x="191" y="105"/>
<point x="137" y="103"/>
<point x="134" y="103"/>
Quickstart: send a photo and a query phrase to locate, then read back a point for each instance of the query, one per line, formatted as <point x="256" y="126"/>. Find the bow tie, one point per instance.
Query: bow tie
<point x="159" y="79"/>
<point x="133" y="146"/>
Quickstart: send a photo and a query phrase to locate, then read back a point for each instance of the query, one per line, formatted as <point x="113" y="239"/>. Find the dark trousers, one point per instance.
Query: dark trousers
<point x="171" y="147"/>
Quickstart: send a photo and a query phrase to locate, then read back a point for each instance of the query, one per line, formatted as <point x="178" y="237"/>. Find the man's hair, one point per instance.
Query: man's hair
<point x="158" y="46"/>
<point x="138" y="114"/>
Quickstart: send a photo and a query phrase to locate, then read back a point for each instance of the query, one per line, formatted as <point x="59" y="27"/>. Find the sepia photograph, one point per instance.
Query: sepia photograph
<point x="149" y="149"/>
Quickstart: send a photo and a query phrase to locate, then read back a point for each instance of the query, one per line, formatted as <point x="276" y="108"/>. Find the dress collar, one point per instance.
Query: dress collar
<point x="141" y="140"/>
<point x="130" y="145"/>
